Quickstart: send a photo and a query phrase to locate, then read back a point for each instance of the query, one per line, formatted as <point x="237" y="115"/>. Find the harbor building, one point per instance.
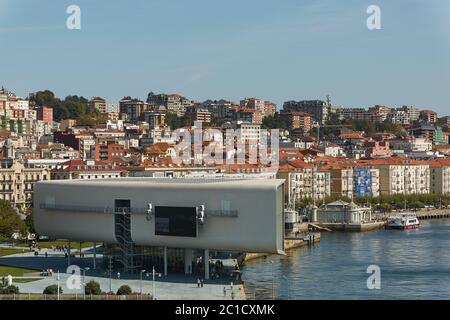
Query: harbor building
<point x="173" y="223"/>
<point x="343" y="212"/>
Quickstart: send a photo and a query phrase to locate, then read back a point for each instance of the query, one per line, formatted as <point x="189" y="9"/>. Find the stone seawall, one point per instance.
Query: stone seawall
<point x="288" y="245"/>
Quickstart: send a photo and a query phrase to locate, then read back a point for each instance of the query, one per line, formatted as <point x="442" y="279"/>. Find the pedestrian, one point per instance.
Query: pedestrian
<point x="231" y="285"/>
<point x="198" y="283"/>
<point x="224" y="291"/>
<point x="118" y="275"/>
<point x="46" y="254"/>
<point x="201" y="283"/>
<point x="232" y="295"/>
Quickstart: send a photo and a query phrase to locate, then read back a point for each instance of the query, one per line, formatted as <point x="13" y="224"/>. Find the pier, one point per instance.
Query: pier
<point x="302" y="239"/>
<point x="421" y="214"/>
<point x="433" y="214"/>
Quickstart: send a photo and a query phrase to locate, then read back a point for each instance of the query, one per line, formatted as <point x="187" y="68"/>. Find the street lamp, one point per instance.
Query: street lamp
<point x="153" y="282"/>
<point x="84" y="282"/>
<point x="142" y="271"/>
<point x="57" y="278"/>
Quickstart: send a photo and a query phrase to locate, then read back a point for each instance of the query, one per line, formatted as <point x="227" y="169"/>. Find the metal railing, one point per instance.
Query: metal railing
<point x="115" y="210"/>
<point x="34" y="296"/>
<point x="74" y="208"/>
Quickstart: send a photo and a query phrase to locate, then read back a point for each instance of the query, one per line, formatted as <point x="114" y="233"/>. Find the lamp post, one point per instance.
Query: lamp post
<point x="84" y="282"/>
<point x="153" y="282"/>
<point x="110" y="274"/>
<point x="57" y="278"/>
<point x="142" y="271"/>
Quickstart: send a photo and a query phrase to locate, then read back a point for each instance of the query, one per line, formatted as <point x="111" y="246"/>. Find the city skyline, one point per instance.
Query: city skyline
<point x="202" y="54"/>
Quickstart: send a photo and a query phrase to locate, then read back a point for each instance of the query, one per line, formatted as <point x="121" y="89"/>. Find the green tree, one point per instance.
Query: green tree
<point x="273" y="122"/>
<point x="72" y="107"/>
<point x="10" y="221"/>
<point x="53" y="290"/>
<point x="385" y="207"/>
<point x="175" y="122"/>
<point x="29" y="222"/>
<point x="124" y="290"/>
<point x="93" y="288"/>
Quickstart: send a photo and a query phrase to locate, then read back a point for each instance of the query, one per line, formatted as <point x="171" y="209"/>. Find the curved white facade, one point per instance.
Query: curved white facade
<point x="241" y="215"/>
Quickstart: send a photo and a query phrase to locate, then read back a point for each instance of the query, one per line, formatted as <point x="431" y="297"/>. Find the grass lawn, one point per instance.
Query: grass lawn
<point x="8" y="251"/>
<point x="25" y="280"/>
<point x="15" y="272"/>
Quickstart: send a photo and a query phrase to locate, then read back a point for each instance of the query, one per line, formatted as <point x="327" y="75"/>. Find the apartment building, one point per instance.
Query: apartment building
<point x="131" y="109"/>
<point x="90" y="169"/>
<point x="199" y="114"/>
<point x="174" y="103"/>
<point x="398" y="116"/>
<point x="428" y="116"/>
<point x="357" y="114"/>
<point x="83" y="142"/>
<point x="318" y="109"/>
<point x="267" y="108"/>
<point x="378" y="149"/>
<point x="440" y="176"/>
<point x="246" y="115"/>
<point x="98" y="103"/>
<point x="355" y="181"/>
<point x="402" y="176"/>
<point x="248" y="131"/>
<point x="297" y="120"/>
<point x="155" y="119"/>
<point x="45" y="114"/>
<point x="342" y="182"/>
<point x="304" y="181"/>
<point x="17" y="181"/>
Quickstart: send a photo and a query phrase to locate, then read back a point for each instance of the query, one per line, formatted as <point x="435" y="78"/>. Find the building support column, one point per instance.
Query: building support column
<point x="165" y="261"/>
<point x="68" y="253"/>
<point x="188" y="261"/>
<point x="95" y="256"/>
<point x="206" y="259"/>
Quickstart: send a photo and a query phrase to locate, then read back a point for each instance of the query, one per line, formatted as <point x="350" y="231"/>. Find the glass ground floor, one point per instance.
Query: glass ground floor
<point x="200" y="262"/>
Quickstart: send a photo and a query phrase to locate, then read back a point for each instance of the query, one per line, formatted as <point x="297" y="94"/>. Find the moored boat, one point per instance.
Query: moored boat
<point x="403" y="221"/>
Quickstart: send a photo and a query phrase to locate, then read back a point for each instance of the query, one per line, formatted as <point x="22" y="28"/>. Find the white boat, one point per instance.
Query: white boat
<point x="403" y="221"/>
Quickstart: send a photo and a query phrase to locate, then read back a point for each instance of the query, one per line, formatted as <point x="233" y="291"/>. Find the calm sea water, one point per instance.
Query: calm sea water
<point x="415" y="264"/>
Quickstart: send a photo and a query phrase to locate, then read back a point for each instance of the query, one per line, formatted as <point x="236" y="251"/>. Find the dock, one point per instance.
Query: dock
<point x="357" y="227"/>
<point x="421" y="214"/>
<point x="303" y="239"/>
<point x="433" y="214"/>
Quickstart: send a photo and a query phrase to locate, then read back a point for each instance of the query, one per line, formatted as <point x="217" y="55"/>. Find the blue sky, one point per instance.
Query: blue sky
<point x="276" y="50"/>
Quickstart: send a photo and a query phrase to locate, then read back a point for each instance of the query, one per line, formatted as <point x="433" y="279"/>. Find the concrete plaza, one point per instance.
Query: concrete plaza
<point x="171" y="287"/>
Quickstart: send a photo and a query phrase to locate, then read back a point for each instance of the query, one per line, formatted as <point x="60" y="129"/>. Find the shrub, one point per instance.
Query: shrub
<point x="124" y="290"/>
<point x="12" y="289"/>
<point x="53" y="289"/>
<point x="93" y="288"/>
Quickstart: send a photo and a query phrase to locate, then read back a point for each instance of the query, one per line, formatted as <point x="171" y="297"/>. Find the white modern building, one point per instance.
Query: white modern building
<point x="137" y="215"/>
